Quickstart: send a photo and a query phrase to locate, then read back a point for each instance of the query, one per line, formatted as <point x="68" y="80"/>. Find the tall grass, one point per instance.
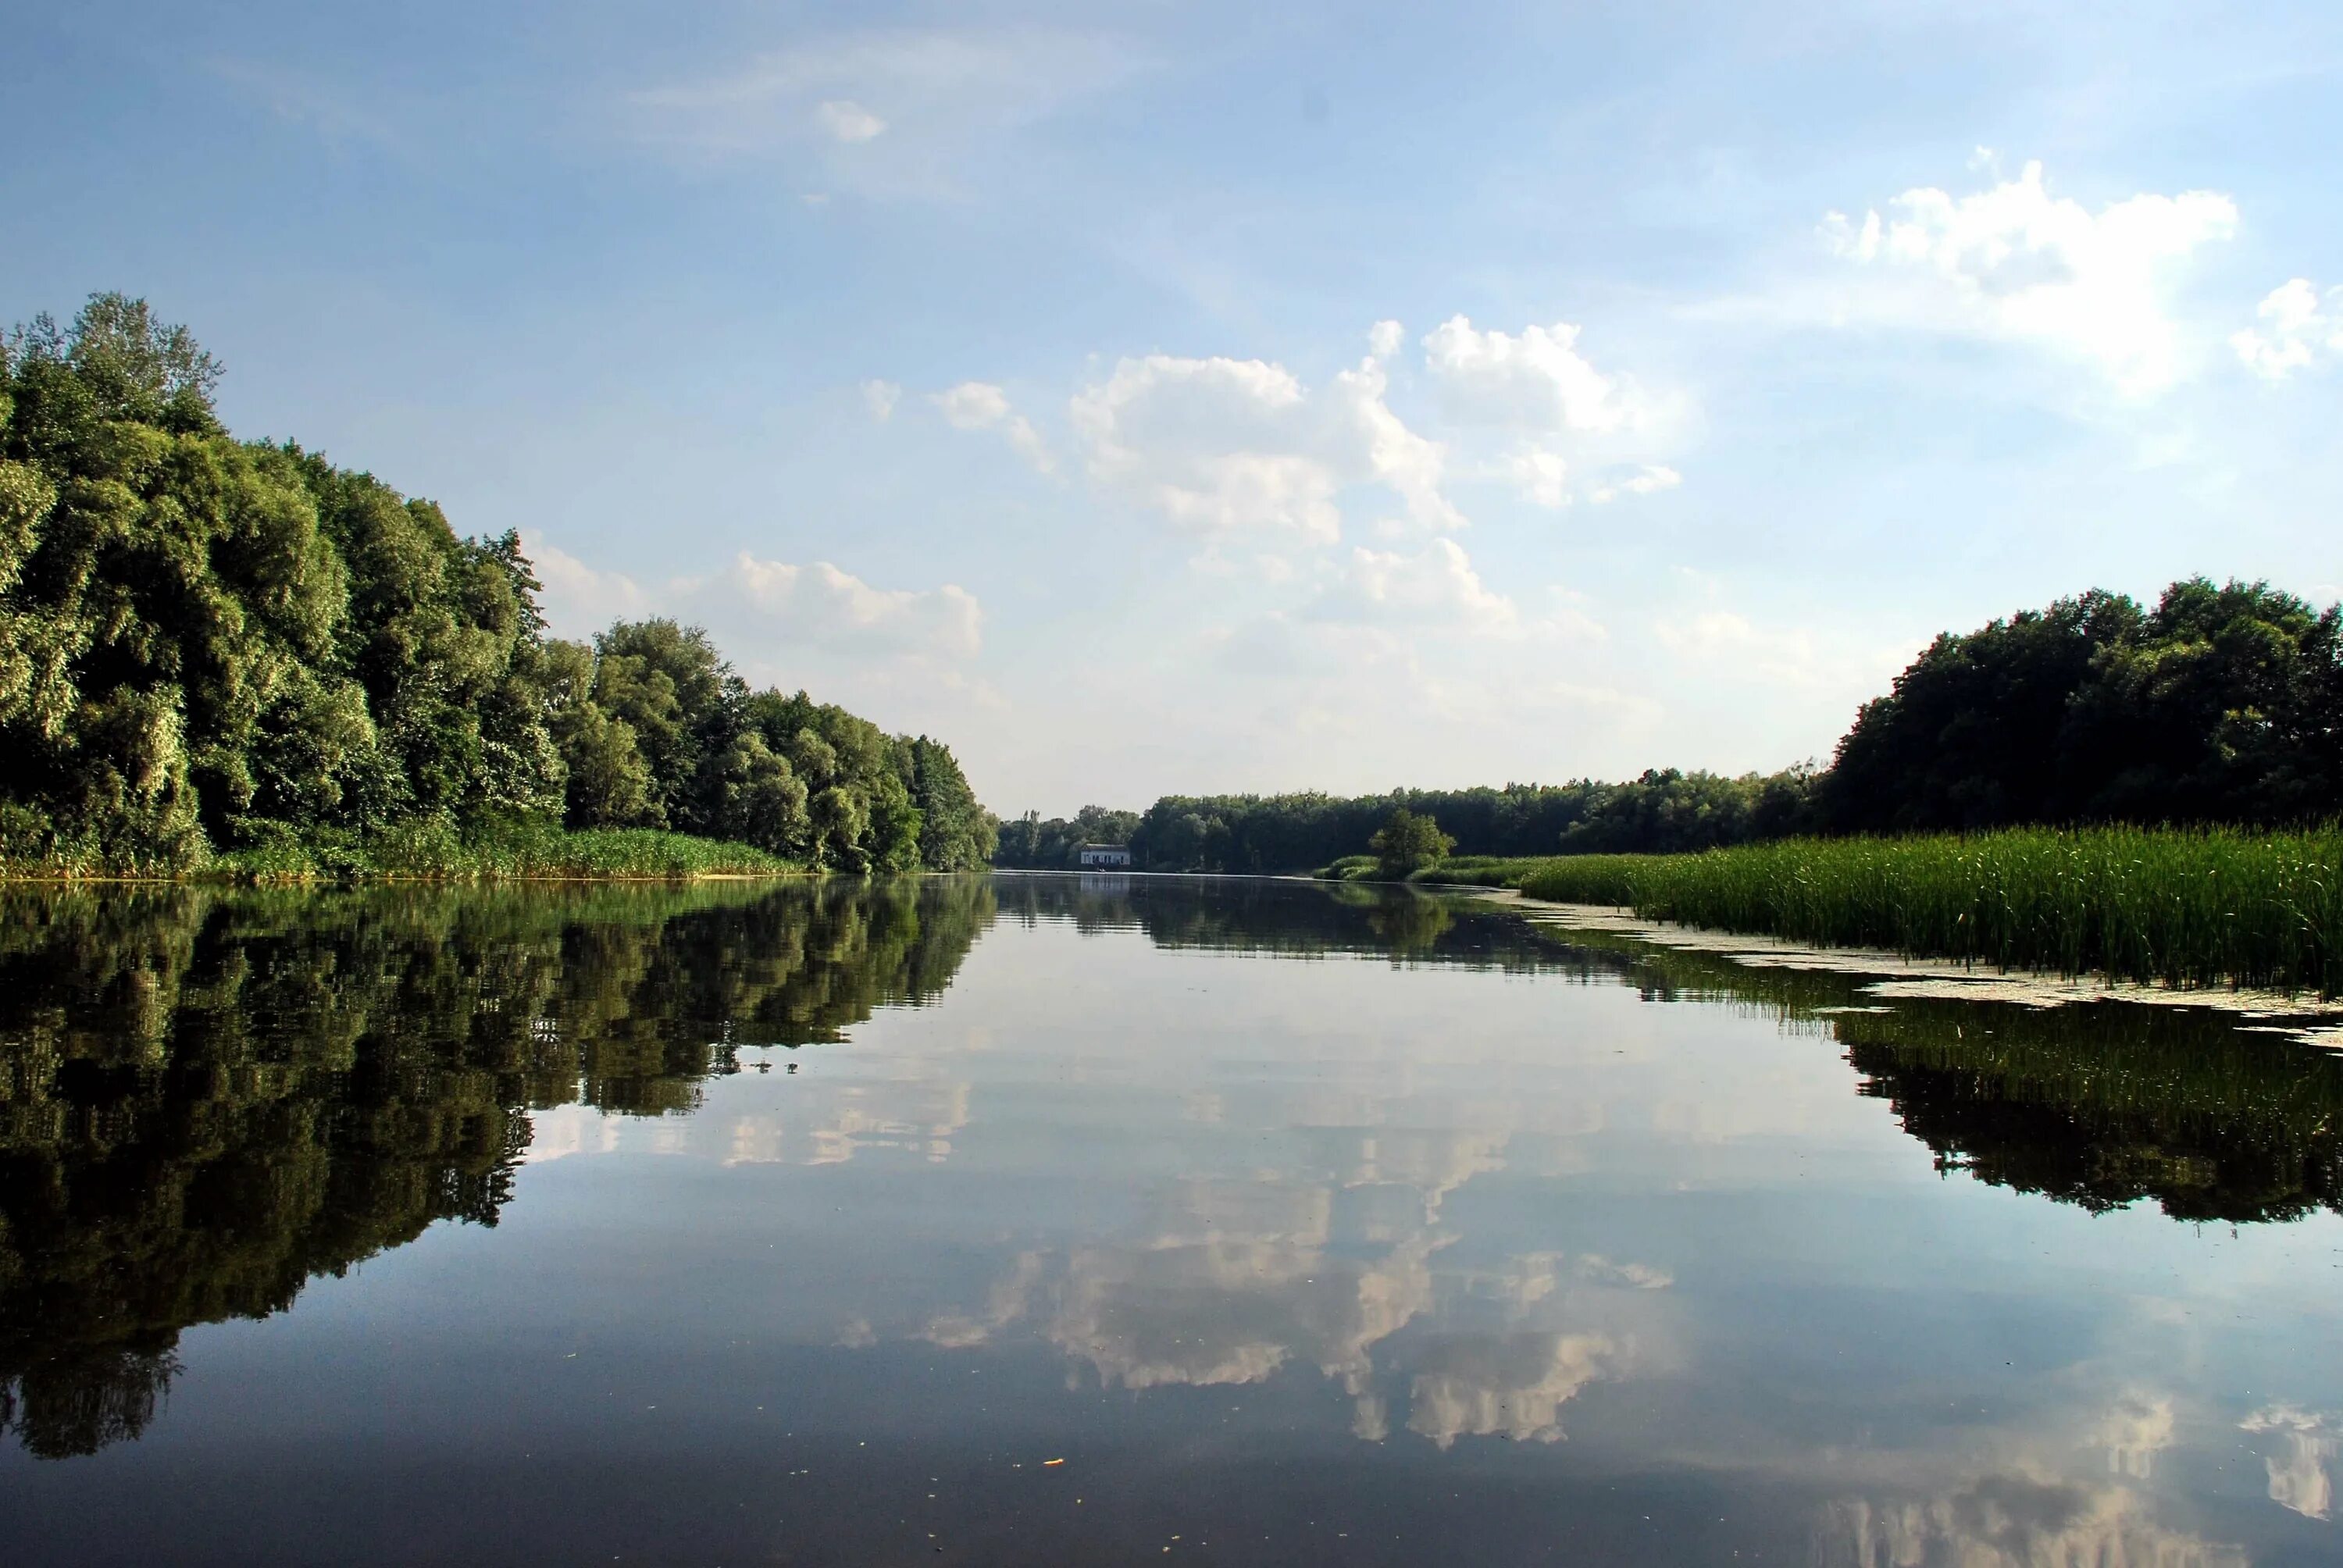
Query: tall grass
<point x="2213" y="907"/>
<point x="432" y="851"/>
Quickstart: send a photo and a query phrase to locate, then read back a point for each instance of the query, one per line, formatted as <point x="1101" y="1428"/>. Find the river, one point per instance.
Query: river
<point x="1045" y="1218"/>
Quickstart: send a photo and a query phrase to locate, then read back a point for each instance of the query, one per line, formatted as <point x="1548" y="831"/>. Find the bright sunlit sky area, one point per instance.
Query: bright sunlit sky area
<point x="1160" y="398"/>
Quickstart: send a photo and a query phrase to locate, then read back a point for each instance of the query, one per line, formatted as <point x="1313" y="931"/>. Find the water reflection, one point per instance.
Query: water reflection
<point x="1227" y="1282"/>
<point x="2100" y="1105"/>
<point x="1447" y="1198"/>
<point x="208" y="1098"/>
<point x="2304" y="1446"/>
<point x="2017" y="1519"/>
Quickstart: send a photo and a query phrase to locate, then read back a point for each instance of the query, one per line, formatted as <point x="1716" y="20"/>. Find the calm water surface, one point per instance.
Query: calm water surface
<point x="1045" y="1218"/>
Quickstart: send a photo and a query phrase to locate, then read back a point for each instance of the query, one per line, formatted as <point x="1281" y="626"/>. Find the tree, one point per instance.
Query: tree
<point x="1407" y="842"/>
<point x="209" y="644"/>
<point x="758" y="801"/>
<point x="2224" y="704"/>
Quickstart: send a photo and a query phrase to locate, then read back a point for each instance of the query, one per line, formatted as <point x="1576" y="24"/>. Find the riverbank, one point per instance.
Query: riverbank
<point x="1886" y="978"/>
<point x="2181" y="910"/>
<point x="533" y="851"/>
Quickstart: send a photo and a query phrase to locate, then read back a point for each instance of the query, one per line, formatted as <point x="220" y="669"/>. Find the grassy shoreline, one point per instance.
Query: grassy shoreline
<point x="433" y="852"/>
<point x="2198" y="908"/>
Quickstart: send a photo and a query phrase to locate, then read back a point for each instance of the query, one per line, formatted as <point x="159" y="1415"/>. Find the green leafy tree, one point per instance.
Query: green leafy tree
<point x="208" y="644"/>
<point x="1407" y="842"/>
<point x="2222" y="704"/>
<point x="759" y="799"/>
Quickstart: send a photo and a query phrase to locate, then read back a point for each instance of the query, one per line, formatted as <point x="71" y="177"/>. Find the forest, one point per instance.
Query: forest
<point x="2220" y="705"/>
<point x="215" y="651"/>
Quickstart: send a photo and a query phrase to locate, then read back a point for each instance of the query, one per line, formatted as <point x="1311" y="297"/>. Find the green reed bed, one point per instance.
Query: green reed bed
<point x="2188" y="908"/>
<point x="438" y="852"/>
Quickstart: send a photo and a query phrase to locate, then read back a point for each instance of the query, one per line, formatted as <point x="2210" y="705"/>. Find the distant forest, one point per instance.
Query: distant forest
<point x="2222" y="704"/>
<point x="212" y="644"/>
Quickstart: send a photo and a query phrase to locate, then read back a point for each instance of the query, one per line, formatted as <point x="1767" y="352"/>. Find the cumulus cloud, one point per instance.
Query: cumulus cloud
<point x="2296" y="328"/>
<point x="879" y="398"/>
<point x="1535" y="381"/>
<point x="1223" y="446"/>
<point x="848" y="121"/>
<point x="819" y="604"/>
<point x="1648" y="480"/>
<point x="760" y="604"/>
<point x="1540" y="475"/>
<point x="2016" y="262"/>
<point x="578" y="593"/>
<point x="1434" y="586"/>
<point x="1536" y="384"/>
<point x="980" y="405"/>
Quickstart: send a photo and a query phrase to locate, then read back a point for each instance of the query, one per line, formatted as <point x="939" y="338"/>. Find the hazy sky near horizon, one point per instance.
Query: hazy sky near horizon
<point x="1159" y="398"/>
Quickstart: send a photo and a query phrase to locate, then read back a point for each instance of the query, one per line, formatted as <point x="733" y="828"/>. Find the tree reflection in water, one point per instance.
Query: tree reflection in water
<point x="208" y="1098"/>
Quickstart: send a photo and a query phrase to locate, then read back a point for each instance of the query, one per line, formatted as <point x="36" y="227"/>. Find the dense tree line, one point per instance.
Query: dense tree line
<point x="1028" y="843"/>
<point x="2221" y="704"/>
<point x="211" y="644"/>
<point x="1667" y="810"/>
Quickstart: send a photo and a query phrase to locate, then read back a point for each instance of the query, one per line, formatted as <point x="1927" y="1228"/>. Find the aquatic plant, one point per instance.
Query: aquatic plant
<point x="2194" y="907"/>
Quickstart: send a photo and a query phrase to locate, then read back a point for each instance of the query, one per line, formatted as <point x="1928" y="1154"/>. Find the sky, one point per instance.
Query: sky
<point x="1156" y="399"/>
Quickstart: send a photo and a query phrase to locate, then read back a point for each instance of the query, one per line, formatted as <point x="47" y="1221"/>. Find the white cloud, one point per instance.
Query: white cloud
<point x="1567" y="413"/>
<point x="1543" y="476"/>
<point x="848" y="121"/>
<point x="1384" y="338"/>
<point x="1647" y="480"/>
<point x="973" y="405"/>
<point x="759" y="605"/>
<point x="982" y="406"/>
<point x="1536" y="381"/>
<point x="580" y="597"/>
<point x="879" y="398"/>
<point x="1404" y="461"/>
<point x="819" y="605"/>
<point x="2295" y="327"/>
<point x="2016" y="263"/>
<point x="1436" y="587"/>
<point x="1226" y="444"/>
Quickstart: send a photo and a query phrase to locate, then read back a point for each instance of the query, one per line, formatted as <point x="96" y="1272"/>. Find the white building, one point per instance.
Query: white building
<point x="1117" y="855"/>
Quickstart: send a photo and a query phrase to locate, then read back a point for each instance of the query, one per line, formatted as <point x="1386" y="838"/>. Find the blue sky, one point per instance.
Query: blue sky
<point x="1180" y="398"/>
